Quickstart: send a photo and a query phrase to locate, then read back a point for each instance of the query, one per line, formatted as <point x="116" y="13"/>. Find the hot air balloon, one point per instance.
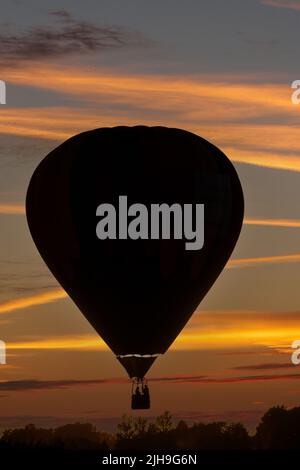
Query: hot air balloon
<point x="137" y="291"/>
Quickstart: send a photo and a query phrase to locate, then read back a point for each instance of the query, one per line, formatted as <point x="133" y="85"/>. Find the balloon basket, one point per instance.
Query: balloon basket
<point x="140" y="396"/>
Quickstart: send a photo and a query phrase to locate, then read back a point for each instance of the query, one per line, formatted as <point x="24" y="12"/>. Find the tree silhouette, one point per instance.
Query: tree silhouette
<point x="140" y="425"/>
<point x="126" y="428"/>
<point x="77" y="436"/>
<point x="279" y="428"/>
<point x="164" y="422"/>
<point x="27" y="437"/>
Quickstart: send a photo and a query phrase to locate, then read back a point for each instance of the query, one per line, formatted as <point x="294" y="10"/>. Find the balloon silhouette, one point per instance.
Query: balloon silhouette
<point x="137" y="293"/>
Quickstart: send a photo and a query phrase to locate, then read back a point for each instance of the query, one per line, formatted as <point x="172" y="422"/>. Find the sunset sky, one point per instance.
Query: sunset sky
<point x="220" y="69"/>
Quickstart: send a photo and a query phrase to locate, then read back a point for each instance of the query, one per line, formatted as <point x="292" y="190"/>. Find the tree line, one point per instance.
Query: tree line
<point x="278" y="429"/>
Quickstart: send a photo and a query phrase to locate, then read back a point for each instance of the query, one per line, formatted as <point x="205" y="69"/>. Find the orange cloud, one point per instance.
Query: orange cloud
<point x="234" y="329"/>
<point x="149" y="90"/>
<point x="276" y="161"/>
<point x="39" y="299"/>
<point x="197" y="103"/>
<point x="86" y="342"/>
<point x="12" y="209"/>
<point x="273" y="222"/>
<point x="282" y="4"/>
<point x="247" y="262"/>
<point x="266" y="146"/>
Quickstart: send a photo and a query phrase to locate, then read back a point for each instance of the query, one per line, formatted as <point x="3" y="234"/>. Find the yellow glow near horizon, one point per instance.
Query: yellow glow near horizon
<point x="258" y="329"/>
<point x="87" y="342"/>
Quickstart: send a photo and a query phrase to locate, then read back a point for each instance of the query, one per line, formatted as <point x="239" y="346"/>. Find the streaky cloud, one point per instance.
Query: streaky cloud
<point x="289" y="4"/>
<point x="25" y="302"/>
<point x="12" y="209"/>
<point x="263" y="260"/>
<point x="293" y="223"/>
<point x="267" y="366"/>
<point x="32" y="384"/>
<point x="70" y="36"/>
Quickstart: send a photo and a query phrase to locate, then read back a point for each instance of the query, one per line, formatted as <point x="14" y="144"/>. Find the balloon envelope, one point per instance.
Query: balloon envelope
<point x="137" y="294"/>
